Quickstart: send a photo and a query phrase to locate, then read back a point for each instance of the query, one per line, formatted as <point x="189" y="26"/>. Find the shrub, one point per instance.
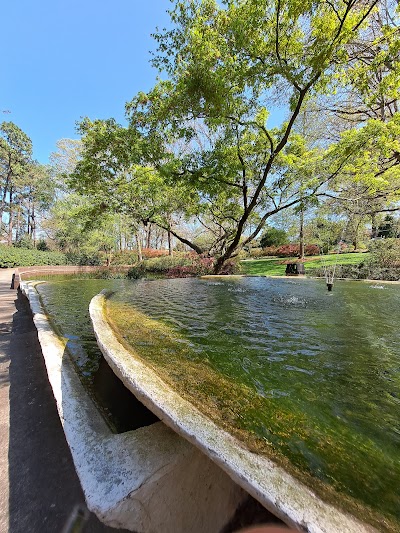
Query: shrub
<point x="11" y="257"/>
<point x="202" y="266"/>
<point x="126" y="257"/>
<point x="24" y="242"/>
<point x="291" y="250"/>
<point x="183" y="265"/>
<point x="166" y="262"/>
<point x="198" y="266"/>
<point x="149" y="253"/>
<point x="363" y="271"/>
<point x="311" y="249"/>
<point x="136" y="271"/>
<point x="83" y="259"/>
<point x="42" y="246"/>
<point x="385" y="253"/>
<point x="257" y="252"/>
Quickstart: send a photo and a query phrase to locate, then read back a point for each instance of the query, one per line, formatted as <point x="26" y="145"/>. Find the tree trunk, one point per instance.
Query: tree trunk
<point x="170" y="250"/>
<point x="108" y="257"/>
<point x="18" y="228"/>
<point x="139" y="247"/>
<point x="10" y="220"/>
<point x="148" y="236"/>
<point x="355" y="236"/>
<point x="33" y="225"/>
<point x="301" y="236"/>
<point x="190" y="244"/>
<point x="4" y="194"/>
<point x="374" y="231"/>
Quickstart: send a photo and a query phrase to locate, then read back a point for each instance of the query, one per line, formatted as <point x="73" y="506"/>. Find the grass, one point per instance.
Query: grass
<point x="270" y="266"/>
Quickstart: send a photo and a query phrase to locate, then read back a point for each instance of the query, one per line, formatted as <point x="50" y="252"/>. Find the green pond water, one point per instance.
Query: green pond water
<point x="309" y="377"/>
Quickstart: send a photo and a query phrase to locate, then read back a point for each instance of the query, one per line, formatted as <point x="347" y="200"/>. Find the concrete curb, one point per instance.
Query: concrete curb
<point x="273" y="487"/>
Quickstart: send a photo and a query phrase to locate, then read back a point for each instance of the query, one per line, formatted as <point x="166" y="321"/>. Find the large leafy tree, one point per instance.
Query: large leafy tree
<point x="226" y="66"/>
<point x="112" y="171"/>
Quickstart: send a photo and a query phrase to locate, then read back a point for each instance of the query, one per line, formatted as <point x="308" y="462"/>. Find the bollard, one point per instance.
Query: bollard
<point x="330" y="286"/>
<point x="13" y="281"/>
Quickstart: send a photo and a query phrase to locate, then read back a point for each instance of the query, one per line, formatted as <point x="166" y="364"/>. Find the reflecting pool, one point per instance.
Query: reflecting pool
<point x="308" y="377"/>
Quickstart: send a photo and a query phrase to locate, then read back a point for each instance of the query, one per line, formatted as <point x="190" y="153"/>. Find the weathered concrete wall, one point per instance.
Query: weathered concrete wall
<point x="273" y="487"/>
<point x="147" y="480"/>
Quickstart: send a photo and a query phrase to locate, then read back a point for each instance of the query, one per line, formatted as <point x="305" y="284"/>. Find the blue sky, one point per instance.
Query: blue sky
<point x="66" y="59"/>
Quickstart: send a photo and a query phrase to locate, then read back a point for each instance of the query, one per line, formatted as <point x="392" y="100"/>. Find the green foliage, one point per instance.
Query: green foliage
<point x="25" y="241"/>
<point x="13" y="257"/>
<point x="385" y="253"/>
<point x="64" y="160"/>
<point x="15" y="159"/>
<point x="84" y="259"/>
<point x="165" y="263"/>
<point x="325" y="232"/>
<point x="225" y="64"/>
<point x="15" y="149"/>
<point x="390" y="228"/>
<point x="126" y="257"/>
<point x="273" y="237"/>
<point x="256" y="253"/>
<point x="137" y="271"/>
<point x="81" y="229"/>
<point x="42" y="246"/>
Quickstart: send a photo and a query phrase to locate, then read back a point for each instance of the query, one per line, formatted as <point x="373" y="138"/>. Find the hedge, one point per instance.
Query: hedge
<point x="13" y="257"/>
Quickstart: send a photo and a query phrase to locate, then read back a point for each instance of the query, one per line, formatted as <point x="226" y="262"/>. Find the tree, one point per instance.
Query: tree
<point x="113" y="172"/>
<point x="325" y="231"/>
<point x="273" y="237"/>
<point x="224" y="64"/>
<point x="15" y="156"/>
<point x="364" y="115"/>
<point x="389" y="228"/>
<point x="73" y="227"/>
<point x="64" y="160"/>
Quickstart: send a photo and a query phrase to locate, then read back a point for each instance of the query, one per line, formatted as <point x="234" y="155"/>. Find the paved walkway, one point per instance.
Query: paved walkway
<point x="39" y="488"/>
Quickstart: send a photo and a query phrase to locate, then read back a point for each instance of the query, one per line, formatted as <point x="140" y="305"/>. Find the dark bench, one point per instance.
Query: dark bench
<point x="294" y="269"/>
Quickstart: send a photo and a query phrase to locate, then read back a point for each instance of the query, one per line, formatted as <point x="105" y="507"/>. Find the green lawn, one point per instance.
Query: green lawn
<point x="270" y="265"/>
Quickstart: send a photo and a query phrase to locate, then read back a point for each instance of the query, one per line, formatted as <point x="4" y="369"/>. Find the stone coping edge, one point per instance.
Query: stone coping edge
<point x="271" y="485"/>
